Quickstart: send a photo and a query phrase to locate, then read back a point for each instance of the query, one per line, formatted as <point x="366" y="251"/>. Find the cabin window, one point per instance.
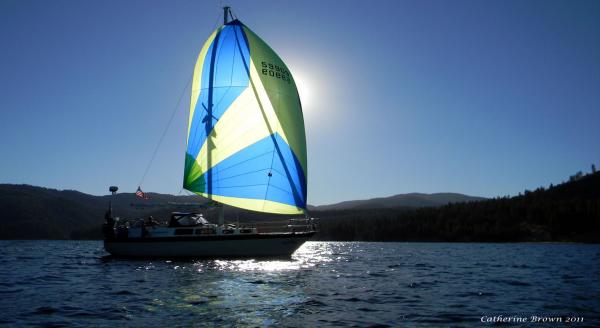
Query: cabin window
<point x="205" y="231"/>
<point x="179" y="232"/>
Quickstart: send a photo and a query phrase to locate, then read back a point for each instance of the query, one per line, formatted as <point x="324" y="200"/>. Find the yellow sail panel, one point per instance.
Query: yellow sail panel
<point x="258" y="205"/>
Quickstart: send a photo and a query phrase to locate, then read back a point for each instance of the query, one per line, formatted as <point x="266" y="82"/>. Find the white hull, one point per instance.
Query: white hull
<point x="255" y="245"/>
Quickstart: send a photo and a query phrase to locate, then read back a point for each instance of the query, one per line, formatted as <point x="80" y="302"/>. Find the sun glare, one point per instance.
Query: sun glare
<point x="305" y="90"/>
<point x="314" y="91"/>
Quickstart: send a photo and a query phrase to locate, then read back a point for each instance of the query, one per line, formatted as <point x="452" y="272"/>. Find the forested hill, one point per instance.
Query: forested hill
<point x="29" y="212"/>
<point x="567" y="212"/>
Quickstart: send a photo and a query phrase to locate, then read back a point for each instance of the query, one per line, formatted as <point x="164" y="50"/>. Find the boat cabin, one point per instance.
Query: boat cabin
<point x="180" y="224"/>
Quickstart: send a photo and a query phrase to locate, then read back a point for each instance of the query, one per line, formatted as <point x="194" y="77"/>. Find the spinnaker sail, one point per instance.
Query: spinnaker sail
<point x="246" y="144"/>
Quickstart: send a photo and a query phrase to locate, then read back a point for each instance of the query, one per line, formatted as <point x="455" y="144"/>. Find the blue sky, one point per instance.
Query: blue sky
<point x="485" y="98"/>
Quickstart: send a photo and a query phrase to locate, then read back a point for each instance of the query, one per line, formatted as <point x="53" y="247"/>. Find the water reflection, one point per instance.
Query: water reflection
<point x="307" y="256"/>
<point x="251" y="292"/>
<point x="254" y="265"/>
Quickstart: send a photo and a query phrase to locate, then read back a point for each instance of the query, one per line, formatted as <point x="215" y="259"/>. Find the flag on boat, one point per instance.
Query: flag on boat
<point x="139" y="193"/>
<point x="246" y="145"/>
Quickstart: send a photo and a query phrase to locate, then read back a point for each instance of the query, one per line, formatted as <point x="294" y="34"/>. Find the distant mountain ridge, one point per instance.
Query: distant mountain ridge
<point x="31" y="212"/>
<point x="401" y="200"/>
<point x="567" y="212"/>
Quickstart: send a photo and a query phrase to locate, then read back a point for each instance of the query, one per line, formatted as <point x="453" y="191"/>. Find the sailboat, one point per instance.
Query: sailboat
<point x="246" y="148"/>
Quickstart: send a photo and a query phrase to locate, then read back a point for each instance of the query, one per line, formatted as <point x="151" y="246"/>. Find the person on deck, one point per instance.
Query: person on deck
<point x="151" y="222"/>
<point x="143" y="231"/>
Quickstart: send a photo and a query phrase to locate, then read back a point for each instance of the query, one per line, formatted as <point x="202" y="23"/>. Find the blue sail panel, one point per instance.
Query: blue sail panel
<point x="265" y="170"/>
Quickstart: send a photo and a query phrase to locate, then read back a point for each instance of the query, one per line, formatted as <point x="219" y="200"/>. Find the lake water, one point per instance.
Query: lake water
<point x="73" y="283"/>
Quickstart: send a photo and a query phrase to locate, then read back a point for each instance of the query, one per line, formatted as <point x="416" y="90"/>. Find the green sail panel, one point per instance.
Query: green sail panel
<point x="246" y="144"/>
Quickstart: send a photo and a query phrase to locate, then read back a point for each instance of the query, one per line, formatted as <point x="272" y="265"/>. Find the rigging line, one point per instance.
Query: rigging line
<point x="239" y="186"/>
<point x="175" y="110"/>
<point x="244" y="161"/>
<point x="240" y="174"/>
<point x="233" y="17"/>
<point x="284" y="190"/>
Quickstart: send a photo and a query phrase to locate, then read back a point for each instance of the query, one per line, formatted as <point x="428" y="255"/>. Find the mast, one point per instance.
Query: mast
<point x="221" y="223"/>
<point x="221" y="214"/>
<point x="226" y="14"/>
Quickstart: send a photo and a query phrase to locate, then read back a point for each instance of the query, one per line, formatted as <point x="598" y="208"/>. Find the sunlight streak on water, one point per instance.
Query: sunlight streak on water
<point x="254" y="265"/>
<point x="307" y="256"/>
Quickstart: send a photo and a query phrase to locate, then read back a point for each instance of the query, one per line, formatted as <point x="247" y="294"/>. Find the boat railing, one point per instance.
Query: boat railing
<point x="302" y="224"/>
<point x="291" y="225"/>
<point x="128" y="222"/>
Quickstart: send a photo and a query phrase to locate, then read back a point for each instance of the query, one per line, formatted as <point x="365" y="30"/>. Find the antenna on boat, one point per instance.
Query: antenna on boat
<point x="108" y="228"/>
<point x="113" y="192"/>
<point x="226" y="13"/>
